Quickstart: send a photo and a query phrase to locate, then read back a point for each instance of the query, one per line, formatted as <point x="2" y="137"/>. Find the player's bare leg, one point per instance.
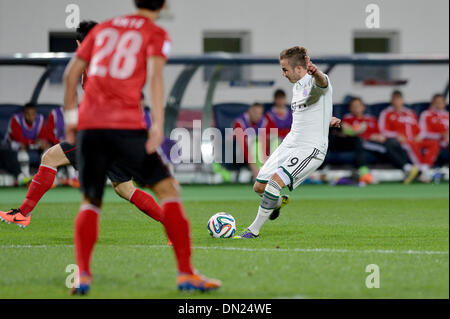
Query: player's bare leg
<point x="142" y="200"/>
<point x="270" y="201"/>
<point x="53" y="158"/>
<point x="177" y="229"/>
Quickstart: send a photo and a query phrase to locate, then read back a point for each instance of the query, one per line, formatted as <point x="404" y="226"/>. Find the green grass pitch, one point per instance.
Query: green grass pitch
<point x="318" y="248"/>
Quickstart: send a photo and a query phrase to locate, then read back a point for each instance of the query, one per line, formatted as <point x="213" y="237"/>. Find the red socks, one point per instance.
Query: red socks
<point x="86" y="233"/>
<point x="147" y="204"/>
<point x="177" y="229"/>
<point x="175" y="224"/>
<point x="40" y="184"/>
<point x="174" y="221"/>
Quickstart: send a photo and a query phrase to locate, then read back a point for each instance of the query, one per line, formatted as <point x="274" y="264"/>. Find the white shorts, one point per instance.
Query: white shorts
<point x="297" y="162"/>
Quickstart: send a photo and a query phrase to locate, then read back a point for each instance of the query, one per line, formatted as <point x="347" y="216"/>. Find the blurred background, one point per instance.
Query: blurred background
<point x="224" y="59"/>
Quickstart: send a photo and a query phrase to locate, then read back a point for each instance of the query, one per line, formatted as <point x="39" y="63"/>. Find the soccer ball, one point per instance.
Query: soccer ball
<point x="221" y="225"/>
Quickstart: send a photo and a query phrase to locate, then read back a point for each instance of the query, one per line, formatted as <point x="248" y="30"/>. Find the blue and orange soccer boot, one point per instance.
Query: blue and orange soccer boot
<point x="196" y="282"/>
<point x="85" y="285"/>
<point x="14" y="216"/>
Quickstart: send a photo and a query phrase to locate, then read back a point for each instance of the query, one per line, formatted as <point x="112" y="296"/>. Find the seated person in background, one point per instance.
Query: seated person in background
<point x="365" y="127"/>
<point x="434" y="124"/>
<point x="280" y="116"/>
<point x="342" y="140"/>
<point x="56" y="134"/>
<point x="55" y="126"/>
<point x="27" y="135"/>
<point x="167" y="144"/>
<point x="252" y="146"/>
<point x="401" y="123"/>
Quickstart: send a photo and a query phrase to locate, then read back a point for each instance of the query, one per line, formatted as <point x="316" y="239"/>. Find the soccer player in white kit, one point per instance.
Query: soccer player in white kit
<point x="304" y="148"/>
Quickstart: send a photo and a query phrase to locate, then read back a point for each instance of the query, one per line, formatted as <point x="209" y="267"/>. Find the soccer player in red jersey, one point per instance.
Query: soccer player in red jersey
<point x="63" y="154"/>
<point x="434" y="121"/>
<point x="122" y="53"/>
<point x="401" y="123"/>
<point x="365" y="126"/>
<point x="254" y="145"/>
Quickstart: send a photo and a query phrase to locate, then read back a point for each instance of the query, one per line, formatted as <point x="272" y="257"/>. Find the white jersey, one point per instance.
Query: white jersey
<point x="312" y="108"/>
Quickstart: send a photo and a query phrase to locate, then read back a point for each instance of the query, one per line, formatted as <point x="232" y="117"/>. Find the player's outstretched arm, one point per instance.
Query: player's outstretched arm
<point x="72" y="75"/>
<point x="155" y="79"/>
<point x="319" y="77"/>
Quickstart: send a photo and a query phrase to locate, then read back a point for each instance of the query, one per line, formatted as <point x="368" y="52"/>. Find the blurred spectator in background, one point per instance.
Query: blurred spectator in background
<point x="365" y="127"/>
<point x="167" y="144"/>
<point x="26" y="135"/>
<point x="253" y="146"/>
<point x="344" y="139"/>
<point x="434" y="125"/>
<point x="280" y="115"/>
<point x="401" y="123"/>
<point x="56" y="134"/>
<point x="55" y="126"/>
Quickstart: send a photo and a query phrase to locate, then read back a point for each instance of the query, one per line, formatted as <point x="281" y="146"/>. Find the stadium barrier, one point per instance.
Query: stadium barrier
<point x="220" y="114"/>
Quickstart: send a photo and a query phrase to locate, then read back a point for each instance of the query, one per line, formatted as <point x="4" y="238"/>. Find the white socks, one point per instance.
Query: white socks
<point x="270" y="200"/>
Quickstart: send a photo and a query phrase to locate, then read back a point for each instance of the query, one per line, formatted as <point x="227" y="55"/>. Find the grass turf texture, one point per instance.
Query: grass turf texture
<point x="318" y="248"/>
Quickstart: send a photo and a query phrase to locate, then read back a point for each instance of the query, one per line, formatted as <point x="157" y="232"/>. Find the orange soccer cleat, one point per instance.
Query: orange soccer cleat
<point x="74" y="182"/>
<point x="14" y="216"/>
<point x="188" y="282"/>
<point x="84" y="286"/>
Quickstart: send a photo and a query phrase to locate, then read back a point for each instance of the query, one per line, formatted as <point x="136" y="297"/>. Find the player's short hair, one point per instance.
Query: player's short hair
<point x="397" y="93"/>
<point x="153" y="5"/>
<point x="354" y="99"/>
<point x="436" y="96"/>
<point x="83" y="29"/>
<point x="29" y="105"/>
<point x="296" y="56"/>
<point x="256" y="104"/>
<point x="279" y="93"/>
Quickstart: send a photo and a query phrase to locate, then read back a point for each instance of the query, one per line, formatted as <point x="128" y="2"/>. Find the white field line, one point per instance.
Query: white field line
<point x="298" y="250"/>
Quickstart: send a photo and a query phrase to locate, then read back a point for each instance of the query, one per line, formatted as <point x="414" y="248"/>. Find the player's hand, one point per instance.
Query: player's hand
<point x="379" y="138"/>
<point x="335" y="122"/>
<point x="311" y="68"/>
<point x="445" y="136"/>
<point x="401" y="138"/>
<point x="155" y="139"/>
<point x="43" y="145"/>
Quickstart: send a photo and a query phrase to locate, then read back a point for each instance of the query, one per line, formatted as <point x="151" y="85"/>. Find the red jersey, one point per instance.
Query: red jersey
<point x="393" y="123"/>
<point x="117" y="51"/>
<point x="371" y="122"/>
<point x="433" y="124"/>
